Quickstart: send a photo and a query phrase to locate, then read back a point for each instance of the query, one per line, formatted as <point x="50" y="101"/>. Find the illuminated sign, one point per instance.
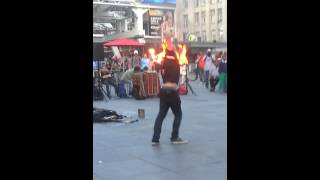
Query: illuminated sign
<point x="155" y="12"/>
<point x="170" y="1"/>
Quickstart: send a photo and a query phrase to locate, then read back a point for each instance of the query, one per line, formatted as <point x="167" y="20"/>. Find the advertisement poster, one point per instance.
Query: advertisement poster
<point x="161" y="22"/>
<point x="155" y="20"/>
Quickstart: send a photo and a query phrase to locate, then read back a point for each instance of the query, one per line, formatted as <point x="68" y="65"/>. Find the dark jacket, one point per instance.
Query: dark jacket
<point x="171" y="67"/>
<point x="223" y="67"/>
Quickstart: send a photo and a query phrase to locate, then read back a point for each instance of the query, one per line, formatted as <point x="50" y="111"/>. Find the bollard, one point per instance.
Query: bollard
<point x="141" y="113"/>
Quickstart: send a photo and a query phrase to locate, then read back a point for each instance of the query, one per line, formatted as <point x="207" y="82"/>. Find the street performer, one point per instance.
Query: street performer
<point x="169" y="97"/>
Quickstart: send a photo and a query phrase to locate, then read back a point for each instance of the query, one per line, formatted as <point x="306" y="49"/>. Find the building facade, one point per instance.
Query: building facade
<point x="204" y="19"/>
<point x="134" y="19"/>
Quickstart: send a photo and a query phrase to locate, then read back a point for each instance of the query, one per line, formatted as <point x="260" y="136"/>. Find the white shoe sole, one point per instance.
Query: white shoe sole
<point x="182" y="142"/>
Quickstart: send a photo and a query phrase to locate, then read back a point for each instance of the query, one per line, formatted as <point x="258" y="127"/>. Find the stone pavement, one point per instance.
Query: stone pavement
<point x="124" y="151"/>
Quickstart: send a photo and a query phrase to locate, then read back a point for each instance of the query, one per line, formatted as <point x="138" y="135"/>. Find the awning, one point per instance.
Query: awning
<point x="123" y="42"/>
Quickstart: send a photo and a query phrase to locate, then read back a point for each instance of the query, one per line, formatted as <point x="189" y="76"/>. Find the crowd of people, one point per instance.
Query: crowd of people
<point x="118" y="73"/>
<point x="211" y="69"/>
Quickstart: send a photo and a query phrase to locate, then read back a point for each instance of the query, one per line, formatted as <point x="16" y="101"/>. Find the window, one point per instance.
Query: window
<point x="220" y="34"/>
<point x="214" y="38"/>
<point x="203" y="16"/>
<point x="185" y="3"/>
<point x="196" y="18"/>
<point x="203" y="2"/>
<point x="219" y="15"/>
<point x="185" y="21"/>
<point x="198" y="34"/>
<point x="197" y="3"/>
<point x="213" y="35"/>
<point x="204" y="36"/>
<point x="212" y="12"/>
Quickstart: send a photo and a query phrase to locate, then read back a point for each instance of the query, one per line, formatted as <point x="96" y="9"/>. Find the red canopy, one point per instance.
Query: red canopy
<point x="123" y="42"/>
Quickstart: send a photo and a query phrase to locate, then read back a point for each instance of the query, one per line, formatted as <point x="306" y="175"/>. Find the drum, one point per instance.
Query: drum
<point x="151" y="83"/>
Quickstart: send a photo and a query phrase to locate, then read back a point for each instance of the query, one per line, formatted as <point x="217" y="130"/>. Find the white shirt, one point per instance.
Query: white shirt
<point x="207" y="61"/>
<point x="214" y="70"/>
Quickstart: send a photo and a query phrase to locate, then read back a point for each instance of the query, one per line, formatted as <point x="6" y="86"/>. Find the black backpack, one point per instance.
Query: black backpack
<point x="104" y="115"/>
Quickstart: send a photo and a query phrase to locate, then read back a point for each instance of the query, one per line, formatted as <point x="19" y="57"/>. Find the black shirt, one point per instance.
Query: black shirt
<point x="171" y="67"/>
<point x="223" y="67"/>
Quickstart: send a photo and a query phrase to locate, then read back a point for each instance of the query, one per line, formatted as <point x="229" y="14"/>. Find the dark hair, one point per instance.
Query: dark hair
<point x="137" y="69"/>
<point x="145" y="68"/>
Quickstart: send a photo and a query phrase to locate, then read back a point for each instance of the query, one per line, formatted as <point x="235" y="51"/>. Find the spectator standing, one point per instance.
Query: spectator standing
<point x="213" y="75"/>
<point x="135" y="61"/>
<point x="208" y="61"/>
<point x="223" y="73"/>
<point x="201" y="66"/>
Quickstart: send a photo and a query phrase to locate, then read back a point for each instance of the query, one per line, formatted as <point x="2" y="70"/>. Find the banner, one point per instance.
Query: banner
<point x="161" y="22"/>
<point x="155" y="25"/>
<point x="155" y="20"/>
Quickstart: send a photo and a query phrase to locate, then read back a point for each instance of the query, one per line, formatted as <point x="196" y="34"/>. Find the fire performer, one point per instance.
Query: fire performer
<point x="169" y="97"/>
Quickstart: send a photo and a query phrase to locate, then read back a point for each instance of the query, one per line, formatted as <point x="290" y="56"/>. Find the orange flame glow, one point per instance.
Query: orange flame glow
<point x="182" y="57"/>
<point x="181" y="54"/>
<point x="152" y="53"/>
<point x="159" y="57"/>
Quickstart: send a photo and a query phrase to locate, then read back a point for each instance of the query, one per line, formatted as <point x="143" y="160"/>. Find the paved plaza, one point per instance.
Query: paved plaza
<point x="124" y="151"/>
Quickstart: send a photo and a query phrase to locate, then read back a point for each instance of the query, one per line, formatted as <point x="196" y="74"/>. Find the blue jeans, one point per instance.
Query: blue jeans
<point x="110" y="82"/>
<point x="124" y="82"/>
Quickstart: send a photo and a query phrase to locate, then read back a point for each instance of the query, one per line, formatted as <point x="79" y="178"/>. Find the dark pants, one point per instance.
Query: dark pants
<point x="169" y="98"/>
<point x="213" y="82"/>
<point x="110" y="82"/>
<point x="206" y="78"/>
<point x="201" y="74"/>
<point x="197" y="71"/>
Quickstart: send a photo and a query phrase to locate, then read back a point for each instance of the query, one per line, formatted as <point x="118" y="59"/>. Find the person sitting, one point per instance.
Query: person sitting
<point x="145" y="69"/>
<point x="126" y="78"/>
<point x="107" y="79"/>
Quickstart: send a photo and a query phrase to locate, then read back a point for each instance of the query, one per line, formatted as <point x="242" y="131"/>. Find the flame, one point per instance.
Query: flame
<point x="162" y="54"/>
<point x="182" y="57"/>
<point x="181" y="54"/>
<point x="159" y="57"/>
<point x="152" y="54"/>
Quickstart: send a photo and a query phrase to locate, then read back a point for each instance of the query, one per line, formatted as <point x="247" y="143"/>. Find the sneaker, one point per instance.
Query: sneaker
<point x="179" y="141"/>
<point x="154" y="143"/>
